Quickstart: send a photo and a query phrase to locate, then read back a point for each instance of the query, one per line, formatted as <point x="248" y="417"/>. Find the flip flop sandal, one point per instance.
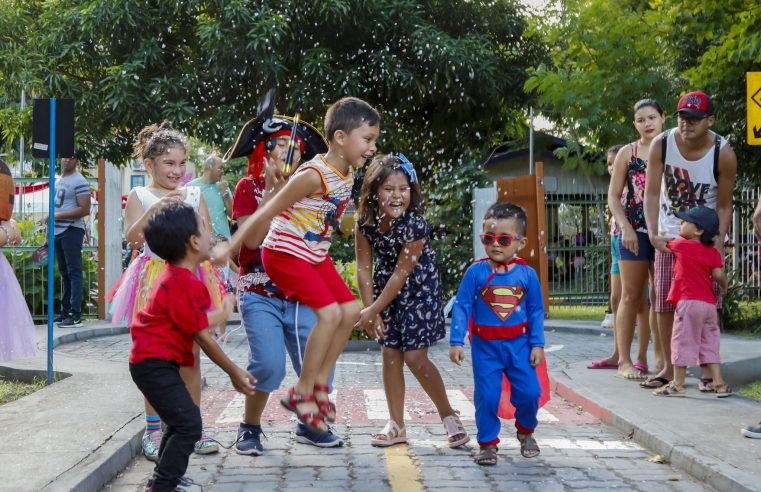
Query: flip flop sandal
<point x="602" y="364"/>
<point x="392" y="434"/>
<point x="706" y="385"/>
<point x="454" y="428"/>
<point x="722" y="390"/>
<point x="654" y="382"/>
<point x="311" y="420"/>
<point x="487" y="456"/>
<point x="327" y="407"/>
<point x="529" y="447"/>
<point x="670" y="390"/>
<point x="641" y="367"/>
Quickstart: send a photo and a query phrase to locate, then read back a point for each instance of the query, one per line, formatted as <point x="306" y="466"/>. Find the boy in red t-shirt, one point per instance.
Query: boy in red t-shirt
<point x="696" y="325"/>
<point x="164" y="331"/>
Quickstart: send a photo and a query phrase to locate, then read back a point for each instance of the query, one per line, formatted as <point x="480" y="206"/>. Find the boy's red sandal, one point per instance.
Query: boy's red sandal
<point x="311" y="420"/>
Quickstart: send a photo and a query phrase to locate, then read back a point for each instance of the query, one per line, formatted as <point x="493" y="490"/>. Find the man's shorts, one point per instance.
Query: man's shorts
<point x="664" y="276"/>
<point x="695" y="339"/>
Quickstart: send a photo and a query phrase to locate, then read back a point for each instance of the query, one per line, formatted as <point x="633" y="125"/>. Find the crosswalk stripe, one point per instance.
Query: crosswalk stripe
<point x="462" y="403"/>
<point x="376" y="406"/>
<point x="546" y="417"/>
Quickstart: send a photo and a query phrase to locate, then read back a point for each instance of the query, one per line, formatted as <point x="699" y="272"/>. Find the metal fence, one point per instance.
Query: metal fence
<point x="31" y="270"/>
<point x="579" y="248"/>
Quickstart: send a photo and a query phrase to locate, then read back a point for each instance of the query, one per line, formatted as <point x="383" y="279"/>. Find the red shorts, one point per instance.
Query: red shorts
<point x="316" y="285"/>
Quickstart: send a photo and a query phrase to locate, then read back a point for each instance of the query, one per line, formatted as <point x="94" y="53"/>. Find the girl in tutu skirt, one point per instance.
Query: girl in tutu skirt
<point x="17" y="334"/>
<point x="163" y="151"/>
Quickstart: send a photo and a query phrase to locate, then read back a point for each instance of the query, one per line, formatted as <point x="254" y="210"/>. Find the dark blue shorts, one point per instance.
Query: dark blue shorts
<point x="646" y="249"/>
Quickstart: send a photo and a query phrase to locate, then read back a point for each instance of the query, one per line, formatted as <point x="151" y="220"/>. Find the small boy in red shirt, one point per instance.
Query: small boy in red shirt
<point x="164" y="331"/>
<point x="696" y="323"/>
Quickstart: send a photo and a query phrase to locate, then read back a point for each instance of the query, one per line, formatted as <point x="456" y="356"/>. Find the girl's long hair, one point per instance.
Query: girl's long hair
<point x="378" y="172"/>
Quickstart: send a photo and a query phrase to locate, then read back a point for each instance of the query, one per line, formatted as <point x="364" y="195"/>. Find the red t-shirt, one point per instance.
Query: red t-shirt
<point x="692" y="271"/>
<point x="175" y="312"/>
<point x="252" y="277"/>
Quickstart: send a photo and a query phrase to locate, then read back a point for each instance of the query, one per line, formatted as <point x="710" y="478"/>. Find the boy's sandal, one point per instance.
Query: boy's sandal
<point x="529" y="447"/>
<point x="722" y="390"/>
<point x="390" y="435"/>
<point x="456" y="433"/>
<point x="311" y="420"/>
<point x="487" y="456"/>
<point x="705" y="385"/>
<point x="654" y="382"/>
<point x="327" y="407"/>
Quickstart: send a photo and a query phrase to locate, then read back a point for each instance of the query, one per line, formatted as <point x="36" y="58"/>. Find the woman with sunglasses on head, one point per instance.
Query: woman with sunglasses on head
<point x="500" y="299"/>
<point x="635" y="253"/>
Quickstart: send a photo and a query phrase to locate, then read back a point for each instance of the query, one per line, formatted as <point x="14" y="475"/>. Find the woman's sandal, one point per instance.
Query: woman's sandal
<point x="529" y="447"/>
<point x="311" y="420"/>
<point x="456" y="433"/>
<point x="654" y="382"/>
<point x="487" y="456"/>
<point x="391" y="434"/>
<point x="327" y="407"/>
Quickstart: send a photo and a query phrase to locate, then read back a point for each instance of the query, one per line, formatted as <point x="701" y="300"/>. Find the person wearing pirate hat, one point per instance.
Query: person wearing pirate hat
<point x="272" y="321"/>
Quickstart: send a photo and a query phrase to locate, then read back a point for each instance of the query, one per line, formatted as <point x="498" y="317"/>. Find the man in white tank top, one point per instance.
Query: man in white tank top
<point x="689" y="165"/>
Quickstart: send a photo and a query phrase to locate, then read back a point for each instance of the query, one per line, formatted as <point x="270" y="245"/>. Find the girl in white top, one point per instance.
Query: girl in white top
<point x="163" y="151"/>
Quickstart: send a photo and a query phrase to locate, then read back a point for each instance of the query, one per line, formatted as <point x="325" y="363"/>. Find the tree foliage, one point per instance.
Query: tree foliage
<point x="607" y="55"/>
<point x="446" y="75"/>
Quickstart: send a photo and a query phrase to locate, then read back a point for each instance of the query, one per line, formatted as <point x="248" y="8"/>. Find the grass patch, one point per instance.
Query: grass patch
<point x="580" y="313"/>
<point x="13" y="390"/>
<point x="752" y="390"/>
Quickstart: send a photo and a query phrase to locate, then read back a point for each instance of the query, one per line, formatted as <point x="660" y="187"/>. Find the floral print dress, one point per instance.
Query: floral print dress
<point x="415" y="318"/>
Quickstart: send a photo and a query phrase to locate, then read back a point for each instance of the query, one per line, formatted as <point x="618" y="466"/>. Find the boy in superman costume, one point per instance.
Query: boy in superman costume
<point x="500" y="299"/>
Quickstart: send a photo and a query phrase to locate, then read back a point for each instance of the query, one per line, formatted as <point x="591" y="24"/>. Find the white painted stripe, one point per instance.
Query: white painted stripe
<point x="376" y="406"/>
<point x="512" y="442"/>
<point x="459" y="401"/>
<point x="234" y="410"/>
<point x="545" y="416"/>
<point x="553" y="348"/>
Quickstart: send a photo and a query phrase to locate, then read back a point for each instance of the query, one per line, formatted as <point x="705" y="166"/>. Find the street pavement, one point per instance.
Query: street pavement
<point x="578" y="451"/>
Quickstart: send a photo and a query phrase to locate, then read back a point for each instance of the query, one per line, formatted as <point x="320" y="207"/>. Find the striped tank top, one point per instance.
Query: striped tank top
<point x="306" y="229"/>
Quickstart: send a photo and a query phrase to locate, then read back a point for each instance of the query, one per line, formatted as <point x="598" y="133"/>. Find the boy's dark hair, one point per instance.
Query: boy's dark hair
<point x="378" y="172"/>
<point x="348" y="114"/>
<point x="169" y="230"/>
<point x="501" y="211"/>
<point x="614" y="149"/>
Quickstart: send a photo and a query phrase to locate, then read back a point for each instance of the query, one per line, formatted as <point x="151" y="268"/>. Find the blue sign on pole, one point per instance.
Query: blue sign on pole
<point x="51" y="238"/>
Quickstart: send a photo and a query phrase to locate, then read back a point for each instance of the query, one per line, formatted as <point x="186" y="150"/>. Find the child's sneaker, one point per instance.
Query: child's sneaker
<point x="206" y="445"/>
<point x="303" y="435"/>
<point x="249" y="441"/>
<point x="752" y="431"/>
<point x="151" y="443"/>
<point x="607" y="322"/>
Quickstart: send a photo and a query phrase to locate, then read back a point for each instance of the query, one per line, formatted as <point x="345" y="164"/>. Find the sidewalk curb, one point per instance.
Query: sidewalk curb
<point x="683" y="457"/>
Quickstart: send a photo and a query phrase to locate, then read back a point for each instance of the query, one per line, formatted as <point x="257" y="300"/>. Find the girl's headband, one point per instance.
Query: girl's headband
<point x="407" y="167"/>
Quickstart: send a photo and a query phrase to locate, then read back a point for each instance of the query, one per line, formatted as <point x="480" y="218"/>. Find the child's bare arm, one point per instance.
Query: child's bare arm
<point x="221" y="315"/>
<point x="252" y="231"/>
<point x="721" y="278"/>
<point x="242" y="380"/>
<point x="364" y="254"/>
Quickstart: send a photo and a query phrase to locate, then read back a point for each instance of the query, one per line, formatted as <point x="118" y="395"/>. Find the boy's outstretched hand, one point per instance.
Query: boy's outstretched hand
<point x="243" y="381"/>
<point x="537" y="355"/>
<point x="456" y="354"/>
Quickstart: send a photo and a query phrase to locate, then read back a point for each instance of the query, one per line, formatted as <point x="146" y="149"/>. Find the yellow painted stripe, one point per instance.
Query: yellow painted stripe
<point x="403" y="472"/>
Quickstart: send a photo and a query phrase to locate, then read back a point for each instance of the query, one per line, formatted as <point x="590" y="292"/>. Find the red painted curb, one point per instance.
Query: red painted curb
<point x="576" y="398"/>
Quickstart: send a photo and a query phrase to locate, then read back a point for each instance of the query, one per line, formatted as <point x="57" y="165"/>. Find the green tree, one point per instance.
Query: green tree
<point x="446" y="75"/>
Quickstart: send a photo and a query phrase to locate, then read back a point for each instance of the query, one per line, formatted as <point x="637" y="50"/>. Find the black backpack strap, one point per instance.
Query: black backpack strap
<point x="716" y="152"/>
<point x="664" y="144"/>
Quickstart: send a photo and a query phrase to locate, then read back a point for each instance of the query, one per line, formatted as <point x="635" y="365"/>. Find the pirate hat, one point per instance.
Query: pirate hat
<point x="252" y="137"/>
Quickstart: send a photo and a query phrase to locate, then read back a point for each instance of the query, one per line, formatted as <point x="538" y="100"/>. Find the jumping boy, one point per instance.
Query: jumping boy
<point x="299" y="223"/>
<point x="164" y="331"/>
<point x="503" y="298"/>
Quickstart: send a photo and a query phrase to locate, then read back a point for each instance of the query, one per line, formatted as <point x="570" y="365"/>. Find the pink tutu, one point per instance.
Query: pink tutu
<point x="18" y="338"/>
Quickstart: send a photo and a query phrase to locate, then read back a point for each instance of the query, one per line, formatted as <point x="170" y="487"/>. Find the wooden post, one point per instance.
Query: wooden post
<point x="101" y="239"/>
<point x="109" y="231"/>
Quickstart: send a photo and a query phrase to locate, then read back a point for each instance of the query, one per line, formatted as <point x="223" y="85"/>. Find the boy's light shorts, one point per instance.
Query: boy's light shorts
<point x="695" y="339"/>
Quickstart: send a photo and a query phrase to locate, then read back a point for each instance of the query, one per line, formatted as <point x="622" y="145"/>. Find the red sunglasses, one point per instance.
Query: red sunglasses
<point x="502" y="239"/>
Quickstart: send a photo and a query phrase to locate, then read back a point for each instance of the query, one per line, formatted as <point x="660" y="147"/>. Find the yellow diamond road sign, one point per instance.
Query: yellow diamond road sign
<point x="754" y="108"/>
